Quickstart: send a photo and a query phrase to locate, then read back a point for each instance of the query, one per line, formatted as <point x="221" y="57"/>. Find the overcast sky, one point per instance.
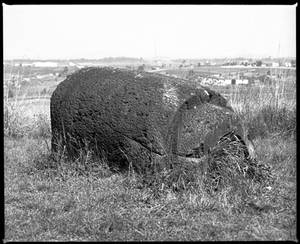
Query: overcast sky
<point x="174" y="31"/>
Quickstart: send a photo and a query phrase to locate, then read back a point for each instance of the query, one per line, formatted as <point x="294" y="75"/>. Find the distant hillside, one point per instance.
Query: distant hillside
<point x="101" y="60"/>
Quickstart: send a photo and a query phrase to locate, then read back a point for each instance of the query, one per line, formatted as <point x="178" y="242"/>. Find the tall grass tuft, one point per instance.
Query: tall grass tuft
<point x="13" y="116"/>
<point x="16" y="123"/>
<point x="266" y="109"/>
<point x="227" y="169"/>
<point x="87" y="163"/>
<point x="41" y="126"/>
<point x="271" y="120"/>
<point x="13" y="122"/>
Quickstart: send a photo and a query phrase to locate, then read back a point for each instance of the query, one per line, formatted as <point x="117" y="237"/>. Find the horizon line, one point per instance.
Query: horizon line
<point x="152" y="58"/>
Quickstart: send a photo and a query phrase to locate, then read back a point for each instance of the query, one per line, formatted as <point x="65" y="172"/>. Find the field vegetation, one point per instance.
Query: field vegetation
<point x="54" y="199"/>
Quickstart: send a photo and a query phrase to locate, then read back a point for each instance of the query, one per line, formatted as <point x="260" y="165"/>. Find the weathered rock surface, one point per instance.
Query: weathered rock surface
<point x="140" y="118"/>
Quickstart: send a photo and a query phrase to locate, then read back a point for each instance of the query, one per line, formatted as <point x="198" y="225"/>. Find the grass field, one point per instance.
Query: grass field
<point x="85" y="200"/>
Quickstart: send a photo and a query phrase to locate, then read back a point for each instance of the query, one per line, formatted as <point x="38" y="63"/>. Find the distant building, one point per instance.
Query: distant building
<point x="245" y="62"/>
<point x="44" y="76"/>
<point x="72" y="64"/>
<point x="207" y="81"/>
<point x="225" y="82"/>
<point x="22" y="64"/>
<point x="242" y="82"/>
<point x="45" y="64"/>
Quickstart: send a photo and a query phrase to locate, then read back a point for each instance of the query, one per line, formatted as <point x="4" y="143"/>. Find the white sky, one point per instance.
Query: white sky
<point x="174" y="31"/>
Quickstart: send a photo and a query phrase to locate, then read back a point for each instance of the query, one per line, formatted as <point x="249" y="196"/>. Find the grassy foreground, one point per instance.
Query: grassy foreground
<point x="62" y="204"/>
<point x="85" y="200"/>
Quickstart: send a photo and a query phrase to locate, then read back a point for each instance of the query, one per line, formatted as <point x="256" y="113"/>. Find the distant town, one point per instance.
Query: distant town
<point x="221" y="72"/>
<point x="158" y="62"/>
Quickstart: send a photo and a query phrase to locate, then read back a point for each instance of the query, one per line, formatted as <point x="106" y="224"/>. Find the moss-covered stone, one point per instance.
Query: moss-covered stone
<point x="142" y="118"/>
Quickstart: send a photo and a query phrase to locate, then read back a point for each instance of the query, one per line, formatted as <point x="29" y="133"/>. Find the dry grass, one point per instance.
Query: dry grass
<point x="47" y="200"/>
<point x="266" y="110"/>
<point x="24" y="117"/>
